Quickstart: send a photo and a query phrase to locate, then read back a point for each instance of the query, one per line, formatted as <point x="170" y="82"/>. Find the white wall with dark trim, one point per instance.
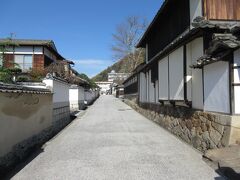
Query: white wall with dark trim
<point x="216" y="87"/>
<point x="195" y="48"/>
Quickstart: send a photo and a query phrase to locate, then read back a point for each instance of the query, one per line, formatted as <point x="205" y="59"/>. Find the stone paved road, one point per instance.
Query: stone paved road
<point x="113" y="142"/>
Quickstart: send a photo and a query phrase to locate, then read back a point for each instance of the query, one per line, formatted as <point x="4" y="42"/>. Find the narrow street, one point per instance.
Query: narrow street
<point x="111" y="141"/>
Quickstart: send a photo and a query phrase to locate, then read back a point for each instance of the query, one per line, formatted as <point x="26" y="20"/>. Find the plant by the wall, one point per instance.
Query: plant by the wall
<point x="37" y="75"/>
<point x="5" y="75"/>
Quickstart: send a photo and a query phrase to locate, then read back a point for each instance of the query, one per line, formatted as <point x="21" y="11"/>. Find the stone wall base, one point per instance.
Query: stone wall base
<point x="202" y="130"/>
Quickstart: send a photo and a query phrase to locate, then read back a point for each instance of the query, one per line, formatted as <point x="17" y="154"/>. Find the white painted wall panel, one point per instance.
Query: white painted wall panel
<point x="237" y="99"/>
<point x="151" y="89"/>
<point x="163" y="78"/>
<point x="237" y="58"/>
<point x="24" y="50"/>
<point x="237" y="80"/>
<point x="61" y="92"/>
<point x="143" y="92"/>
<point x="140" y="87"/>
<point x="237" y="75"/>
<point x="176" y="78"/>
<point x="189" y="72"/>
<point x="38" y="50"/>
<point x="147" y="83"/>
<point x="197" y="84"/>
<point x="73" y="99"/>
<point x="73" y="94"/>
<point x="156" y="91"/>
<point x="216" y="87"/>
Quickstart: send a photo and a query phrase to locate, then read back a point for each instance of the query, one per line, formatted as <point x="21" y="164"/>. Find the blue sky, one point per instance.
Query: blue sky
<point x="81" y="30"/>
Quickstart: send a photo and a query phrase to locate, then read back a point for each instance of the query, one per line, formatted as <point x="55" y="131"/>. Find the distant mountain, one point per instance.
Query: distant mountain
<point x="122" y="66"/>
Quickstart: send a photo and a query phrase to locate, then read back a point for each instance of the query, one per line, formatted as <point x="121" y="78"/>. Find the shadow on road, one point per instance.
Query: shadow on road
<point x="29" y="156"/>
<point x="22" y="163"/>
<point x="229" y="173"/>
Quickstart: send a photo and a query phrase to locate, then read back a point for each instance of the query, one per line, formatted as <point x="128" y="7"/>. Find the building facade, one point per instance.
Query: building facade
<point x="113" y="76"/>
<point x="29" y="55"/>
<point x="192" y="63"/>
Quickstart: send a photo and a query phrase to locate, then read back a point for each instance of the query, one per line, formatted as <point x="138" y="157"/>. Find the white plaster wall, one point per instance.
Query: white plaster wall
<point x="195" y="9"/>
<point x="73" y="99"/>
<point x="237" y="57"/>
<point x="216" y="87"/>
<point x="60" y="90"/>
<point x="24" y="50"/>
<point x="189" y="72"/>
<point x="151" y="89"/>
<point x="143" y="93"/>
<point x="49" y="84"/>
<point x="237" y="63"/>
<point x="73" y="94"/>
<point x="22" y="116"/>
<point x="176" y="80"/>
<point x="38" y="50"/>
<point x="163" y="79"/>
<point x="197" y="83"/>
<point x="237" y="75"/>
<point x="237" y="99"/>
<point x="140" y="87"/>
<point x="237" y="80"/>
<point x="147" y="85"/>
<point x="104" y="87"/>
<point x="156" y="91"/>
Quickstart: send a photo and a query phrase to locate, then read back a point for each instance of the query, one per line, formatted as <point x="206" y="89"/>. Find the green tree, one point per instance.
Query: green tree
<point x="6" y="74"/>
<point x="92" y="84"/>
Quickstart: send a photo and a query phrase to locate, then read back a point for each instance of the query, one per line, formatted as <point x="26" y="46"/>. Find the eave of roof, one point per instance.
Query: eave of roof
<point x="33" y="42"/>
<point x="135" y="71"/>
<point x="185" y="37"/>
<point x="140" y="43"/>
<point x="13" y="88"/>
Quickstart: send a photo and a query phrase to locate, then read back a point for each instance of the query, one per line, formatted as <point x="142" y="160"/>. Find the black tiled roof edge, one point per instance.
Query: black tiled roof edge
<point x="13" y="88"/>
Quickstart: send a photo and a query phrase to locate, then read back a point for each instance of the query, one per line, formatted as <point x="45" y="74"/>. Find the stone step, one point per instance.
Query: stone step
<point x="227" y="159"/>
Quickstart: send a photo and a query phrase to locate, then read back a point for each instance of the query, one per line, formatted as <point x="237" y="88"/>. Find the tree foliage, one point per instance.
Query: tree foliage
<point x="6" y="74"/>
<point x="90" y="81"/>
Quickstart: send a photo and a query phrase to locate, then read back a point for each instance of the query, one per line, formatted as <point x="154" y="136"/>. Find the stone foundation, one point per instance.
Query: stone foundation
<point x="201" y="129"/>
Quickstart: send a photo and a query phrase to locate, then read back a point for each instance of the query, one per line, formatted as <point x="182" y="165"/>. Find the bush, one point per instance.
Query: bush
<point x="22" y="79"/>
<point x="37" y="75"/>
<point x="5" y="75"/>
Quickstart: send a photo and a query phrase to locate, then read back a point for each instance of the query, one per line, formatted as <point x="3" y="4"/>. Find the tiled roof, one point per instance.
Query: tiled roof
<point x="47" y="43"/>
<point x="30" y="42"/>
<point x="12" y="88"/>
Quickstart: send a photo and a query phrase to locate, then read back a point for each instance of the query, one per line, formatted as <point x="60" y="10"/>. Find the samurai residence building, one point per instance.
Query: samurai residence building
<point x="190" y="82"/>
<point x="30" y="54"/>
